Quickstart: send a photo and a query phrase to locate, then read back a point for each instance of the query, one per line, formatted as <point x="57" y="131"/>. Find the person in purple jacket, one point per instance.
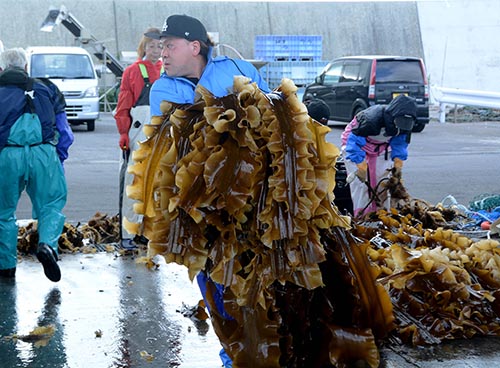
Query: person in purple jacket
<point x="375" y="143"/>
<point x="34" y="140"/>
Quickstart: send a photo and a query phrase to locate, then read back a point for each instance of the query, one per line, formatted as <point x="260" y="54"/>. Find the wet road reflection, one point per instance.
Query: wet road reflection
<point x="19" y="320"/>
<point x="110" y="312"/>
<point x="107" y="311"/>
<point x="8" y="322"/>
<point x="144" y="322"/>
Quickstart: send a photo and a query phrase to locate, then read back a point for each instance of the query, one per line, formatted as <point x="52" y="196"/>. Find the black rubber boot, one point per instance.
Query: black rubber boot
<point x="141" y="239"/>
<point x="48" y="258"/>
<point x="8" y="273"/>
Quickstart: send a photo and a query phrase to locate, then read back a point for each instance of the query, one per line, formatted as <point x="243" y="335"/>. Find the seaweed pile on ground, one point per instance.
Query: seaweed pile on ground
<point x="101" y="229"/>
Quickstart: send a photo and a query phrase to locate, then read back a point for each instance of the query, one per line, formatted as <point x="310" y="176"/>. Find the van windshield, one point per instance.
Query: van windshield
<point x="393" y="71"/>
<point x="61" y="66"/>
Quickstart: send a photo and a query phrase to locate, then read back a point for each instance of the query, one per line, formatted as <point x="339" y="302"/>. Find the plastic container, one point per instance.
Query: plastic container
<point x="288" y="48"/>
<point x="301" y="72"/>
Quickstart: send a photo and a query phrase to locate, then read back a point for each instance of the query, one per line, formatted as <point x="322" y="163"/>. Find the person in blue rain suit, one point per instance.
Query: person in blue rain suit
<point x="34" y="140"/>
<point x="187" y="61"/>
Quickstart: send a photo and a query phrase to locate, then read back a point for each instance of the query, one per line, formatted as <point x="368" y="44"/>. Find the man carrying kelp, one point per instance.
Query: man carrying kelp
<point x="237" y="185"/>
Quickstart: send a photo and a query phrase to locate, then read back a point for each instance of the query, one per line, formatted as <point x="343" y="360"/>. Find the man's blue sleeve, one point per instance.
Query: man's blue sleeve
<point x="66" y="137"/>
<point x="353" y="148"/>
<point x="399" y="147"/>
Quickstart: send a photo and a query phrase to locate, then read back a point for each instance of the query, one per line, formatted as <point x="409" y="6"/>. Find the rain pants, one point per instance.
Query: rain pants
<point x="218" y="78"/>
<point x="132" y="112"/>
<point x="31" y="159"/>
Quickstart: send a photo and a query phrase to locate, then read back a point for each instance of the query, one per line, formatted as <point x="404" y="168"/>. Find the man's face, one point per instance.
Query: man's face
<point x="179" y="56"/>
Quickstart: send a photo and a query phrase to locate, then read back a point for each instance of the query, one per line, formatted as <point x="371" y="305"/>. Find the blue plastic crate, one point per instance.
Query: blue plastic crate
<point x="301" y="72"/>
<point x="288" y="48"/>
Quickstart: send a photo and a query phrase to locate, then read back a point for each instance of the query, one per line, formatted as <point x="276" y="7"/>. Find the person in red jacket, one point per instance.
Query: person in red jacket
<point x="132" y="112"/>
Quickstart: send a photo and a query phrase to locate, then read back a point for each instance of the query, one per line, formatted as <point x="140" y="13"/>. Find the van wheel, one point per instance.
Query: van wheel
<point x="418" y="127"/>
<point x="356" y="110"/>
<point x="90" y="125"/>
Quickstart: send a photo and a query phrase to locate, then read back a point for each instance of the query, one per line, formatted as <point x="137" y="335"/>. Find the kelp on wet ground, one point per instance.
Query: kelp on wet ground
<point x="101" y="232"/>
<point x="241" y="186"/>
<point x="443" y="285"/>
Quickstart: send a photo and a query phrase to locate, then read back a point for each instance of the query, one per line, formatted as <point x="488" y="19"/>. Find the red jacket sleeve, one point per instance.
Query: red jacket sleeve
<point x="130" y="89"/>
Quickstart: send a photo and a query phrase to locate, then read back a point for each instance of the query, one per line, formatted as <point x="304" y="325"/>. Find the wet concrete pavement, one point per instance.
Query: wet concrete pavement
<point x="108" y="311"/>
<point x="475" y="353"/>
<point x="137" y="310"/>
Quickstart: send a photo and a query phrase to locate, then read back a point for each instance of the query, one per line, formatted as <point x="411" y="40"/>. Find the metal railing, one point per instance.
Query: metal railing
<point x="107" y="105"/>
<point x="456" y="96"/>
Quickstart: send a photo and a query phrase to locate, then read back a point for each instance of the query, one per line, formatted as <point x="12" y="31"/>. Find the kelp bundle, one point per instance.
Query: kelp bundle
<point x="241" y="187"/>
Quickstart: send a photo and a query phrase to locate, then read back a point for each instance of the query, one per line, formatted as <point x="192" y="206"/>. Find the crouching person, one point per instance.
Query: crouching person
<point x="374" y="144"/>
<point x="34" y="141"/>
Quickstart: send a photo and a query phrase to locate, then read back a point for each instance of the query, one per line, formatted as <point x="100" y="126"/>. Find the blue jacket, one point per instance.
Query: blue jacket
<point x="217" y="78"/>
<point x="49" y="106"/>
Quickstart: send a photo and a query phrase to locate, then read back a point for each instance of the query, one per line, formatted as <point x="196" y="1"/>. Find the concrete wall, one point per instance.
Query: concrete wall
<point x="461" y="43"/>
<point x="347" y="28"/>
<point x="457" y="38"/>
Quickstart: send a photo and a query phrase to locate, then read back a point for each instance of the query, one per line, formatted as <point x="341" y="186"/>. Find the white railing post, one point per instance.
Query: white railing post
<point x="442" y="112"/>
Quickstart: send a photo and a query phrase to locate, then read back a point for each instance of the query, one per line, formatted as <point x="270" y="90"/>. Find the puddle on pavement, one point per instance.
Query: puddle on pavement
<point x="107" y="312"/>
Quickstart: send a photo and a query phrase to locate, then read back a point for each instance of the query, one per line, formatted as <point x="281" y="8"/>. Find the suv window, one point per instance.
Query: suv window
<point x="350" y="73"/>
<point x="391" y="71"/>
<point x="332" y="75"/>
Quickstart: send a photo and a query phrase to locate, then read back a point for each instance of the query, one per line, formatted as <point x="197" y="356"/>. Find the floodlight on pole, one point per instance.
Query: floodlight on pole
<point x="82" y="36"/>
<point x="54" y="18"/>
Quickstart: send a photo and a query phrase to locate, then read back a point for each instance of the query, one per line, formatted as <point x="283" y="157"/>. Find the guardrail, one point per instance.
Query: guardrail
<point x="456" y="96"/>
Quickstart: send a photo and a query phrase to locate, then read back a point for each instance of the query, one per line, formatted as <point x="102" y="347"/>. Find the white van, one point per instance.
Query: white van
<point x="72" y="70"/>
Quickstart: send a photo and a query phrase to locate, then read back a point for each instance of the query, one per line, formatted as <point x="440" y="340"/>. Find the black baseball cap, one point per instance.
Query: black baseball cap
<point x="182" y="26"/>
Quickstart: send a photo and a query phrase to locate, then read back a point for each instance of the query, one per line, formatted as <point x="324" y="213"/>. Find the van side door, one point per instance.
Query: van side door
<point x="329" y="84"/>
<point x="348" y="90"/>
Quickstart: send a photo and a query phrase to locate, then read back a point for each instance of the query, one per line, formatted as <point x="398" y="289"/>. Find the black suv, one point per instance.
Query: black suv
<point x="351" y="84"/>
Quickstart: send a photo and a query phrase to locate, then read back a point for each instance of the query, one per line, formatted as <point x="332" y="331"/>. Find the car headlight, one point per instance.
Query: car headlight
<point x="91" y="92"/>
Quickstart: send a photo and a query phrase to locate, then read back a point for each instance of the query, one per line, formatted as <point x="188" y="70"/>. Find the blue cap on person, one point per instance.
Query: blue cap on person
<point x="182" y="26"/>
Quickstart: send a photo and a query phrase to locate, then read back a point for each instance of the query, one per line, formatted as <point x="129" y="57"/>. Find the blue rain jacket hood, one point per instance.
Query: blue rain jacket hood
<point x="401" y="105"/>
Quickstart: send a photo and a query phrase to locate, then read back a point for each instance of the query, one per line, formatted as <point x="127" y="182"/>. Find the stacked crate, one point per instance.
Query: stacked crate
<point x="288" y="48"/>
<point x="297" y="57"/>
<point x="301" y="72"/>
